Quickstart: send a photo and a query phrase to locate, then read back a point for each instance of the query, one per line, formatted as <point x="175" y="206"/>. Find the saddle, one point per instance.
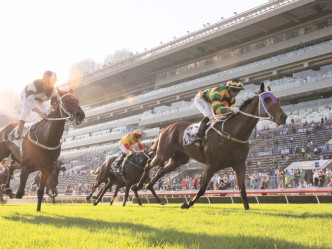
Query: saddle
<point x="191" y="131"/>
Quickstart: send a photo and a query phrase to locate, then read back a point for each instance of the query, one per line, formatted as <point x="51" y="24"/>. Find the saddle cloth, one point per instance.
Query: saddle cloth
<point x="191" y="131"/>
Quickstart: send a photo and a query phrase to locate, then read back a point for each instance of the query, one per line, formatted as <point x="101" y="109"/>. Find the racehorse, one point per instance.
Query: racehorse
<point x="226" y="145"/>
<point x="52" y="181"/>
<point x="132" y="169"/>
<point x="41" y="145"/>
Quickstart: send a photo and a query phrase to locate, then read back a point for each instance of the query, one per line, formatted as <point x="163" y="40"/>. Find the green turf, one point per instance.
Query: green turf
<point x="154" y="226"/>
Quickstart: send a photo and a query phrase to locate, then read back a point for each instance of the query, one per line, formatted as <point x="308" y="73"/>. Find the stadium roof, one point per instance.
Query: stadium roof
<point x="140" y="70"/>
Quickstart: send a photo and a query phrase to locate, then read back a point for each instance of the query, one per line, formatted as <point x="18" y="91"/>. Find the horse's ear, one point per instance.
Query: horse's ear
<point x="262" y="89"/>
<point x="268" y="89"/>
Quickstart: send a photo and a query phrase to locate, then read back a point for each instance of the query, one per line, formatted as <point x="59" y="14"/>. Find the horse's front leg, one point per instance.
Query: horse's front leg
<point x="7" y="189"/>
<point x="40" y="192"/>
<point x="240" y="171"/>
<point x="205" y="180"/>
<point x="155" y="161"/>
<point x="23" y="180"/>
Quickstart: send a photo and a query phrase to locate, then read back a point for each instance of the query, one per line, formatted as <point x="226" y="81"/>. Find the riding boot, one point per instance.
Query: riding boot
<point x="201" y="131"/>
<point x="19" y="131"/>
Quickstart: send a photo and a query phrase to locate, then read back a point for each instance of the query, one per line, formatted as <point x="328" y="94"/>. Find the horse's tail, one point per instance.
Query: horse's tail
<point x="5" y="131"/>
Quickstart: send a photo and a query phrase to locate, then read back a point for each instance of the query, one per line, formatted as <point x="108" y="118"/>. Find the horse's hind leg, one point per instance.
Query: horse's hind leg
<point x="205" y="180"/>
<point x="126" y="195"/>
<point x="103" y="191"/>
<point x="4" y="150"/>
<point x="117" y="188"/>
<point x="92" y="191"/>
<point x="175" y="161"/>
<point x="240" y="177"/>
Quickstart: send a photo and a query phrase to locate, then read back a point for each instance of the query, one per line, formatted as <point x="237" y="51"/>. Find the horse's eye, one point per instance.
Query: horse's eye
<point x="267" y="100"/>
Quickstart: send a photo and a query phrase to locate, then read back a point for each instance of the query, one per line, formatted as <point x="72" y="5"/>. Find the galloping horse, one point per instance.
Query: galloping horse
<point x="226" y="146"/>
<point x="41" y="146"/>
<point x="133" y="169"/>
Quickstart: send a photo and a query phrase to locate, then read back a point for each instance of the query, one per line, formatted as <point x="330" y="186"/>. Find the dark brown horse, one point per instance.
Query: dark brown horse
<point x="132" y="169"/>
<point x="226" y="146"/>
<point x="41" y="146"/>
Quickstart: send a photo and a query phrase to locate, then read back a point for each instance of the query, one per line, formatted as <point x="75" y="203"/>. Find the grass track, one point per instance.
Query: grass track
<point x="154" y="226"/>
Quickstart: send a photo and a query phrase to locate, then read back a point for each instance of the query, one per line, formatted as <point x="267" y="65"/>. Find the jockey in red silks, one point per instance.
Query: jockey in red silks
<point x="33" y="97"/>
<point x="216" y="101"/>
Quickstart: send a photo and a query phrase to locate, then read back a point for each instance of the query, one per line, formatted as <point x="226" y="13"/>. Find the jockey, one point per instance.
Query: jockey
<point x="126" y="145"/>
<point x="216" y="101"/>
<point x="33" y="97"/>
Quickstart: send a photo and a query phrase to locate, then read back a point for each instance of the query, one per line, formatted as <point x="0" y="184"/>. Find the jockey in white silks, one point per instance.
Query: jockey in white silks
<point x="33" y="96"/>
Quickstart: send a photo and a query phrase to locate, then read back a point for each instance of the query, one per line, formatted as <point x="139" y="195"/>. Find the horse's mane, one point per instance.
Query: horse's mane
<point x="246" y="102"/>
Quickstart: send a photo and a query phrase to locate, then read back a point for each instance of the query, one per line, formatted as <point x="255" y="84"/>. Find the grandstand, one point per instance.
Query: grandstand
<point x="285" y="43"/>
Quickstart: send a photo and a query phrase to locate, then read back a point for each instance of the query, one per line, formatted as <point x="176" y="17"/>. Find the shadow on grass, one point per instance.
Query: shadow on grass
<point x="158" y="236"/>
<point x="277" y="213"/>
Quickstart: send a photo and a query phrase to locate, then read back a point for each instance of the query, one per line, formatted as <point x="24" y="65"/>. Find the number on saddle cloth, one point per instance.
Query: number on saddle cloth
<point x="190" y="133"/>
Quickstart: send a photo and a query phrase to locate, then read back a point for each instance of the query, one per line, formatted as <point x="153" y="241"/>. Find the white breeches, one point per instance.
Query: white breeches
<point x="29" y="104"/>
<point x="203" y="107"/>
<point x="123" y="148"/>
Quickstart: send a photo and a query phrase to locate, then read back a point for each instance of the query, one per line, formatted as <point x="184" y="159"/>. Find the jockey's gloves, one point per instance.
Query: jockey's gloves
<point x="235" y="109"/>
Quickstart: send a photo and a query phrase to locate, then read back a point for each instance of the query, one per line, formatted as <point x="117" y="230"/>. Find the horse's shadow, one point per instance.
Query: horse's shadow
<point x="158" y="237"/>
<point x="276" y="213"/>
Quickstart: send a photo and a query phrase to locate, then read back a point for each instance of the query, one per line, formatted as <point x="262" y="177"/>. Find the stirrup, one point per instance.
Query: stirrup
<point x="197" y="139"/>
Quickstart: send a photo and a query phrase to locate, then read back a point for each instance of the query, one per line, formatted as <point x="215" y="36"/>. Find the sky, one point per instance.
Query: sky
<point x="40" y="35"/>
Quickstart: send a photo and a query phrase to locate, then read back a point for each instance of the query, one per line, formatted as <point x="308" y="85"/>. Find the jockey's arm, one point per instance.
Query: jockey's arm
<point x="41" y="114"/>
<point x="140" y="145"/>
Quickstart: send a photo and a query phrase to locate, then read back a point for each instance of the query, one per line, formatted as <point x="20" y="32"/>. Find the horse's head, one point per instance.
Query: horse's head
<point x="269" y="106"/>
<point x="69" y="105"/>
<point x="53" y="178"/>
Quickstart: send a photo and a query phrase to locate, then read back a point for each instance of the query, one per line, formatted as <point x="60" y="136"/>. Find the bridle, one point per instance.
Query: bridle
<point x="69" y="116"/>
<point x="261" y="104"/>
<point x="260" y="117"/>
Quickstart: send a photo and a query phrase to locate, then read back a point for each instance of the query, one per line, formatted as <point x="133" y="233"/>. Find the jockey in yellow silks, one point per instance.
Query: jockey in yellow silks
<point x="33" y="96"/>
<point x="216" y="101"/>
<point x="126" y="145"/>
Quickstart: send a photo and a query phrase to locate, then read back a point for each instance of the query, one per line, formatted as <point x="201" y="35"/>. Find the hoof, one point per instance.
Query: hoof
<point x="134" y="188"/>
<point x="162" y="203"/>
<point x="7" y="191"/>
<point x="95" y="203"/>
<point x="185" y="205"/>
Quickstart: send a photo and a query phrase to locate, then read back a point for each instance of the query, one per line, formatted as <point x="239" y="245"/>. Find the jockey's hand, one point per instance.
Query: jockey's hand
<point x="235" y="109"/>
<point x="132" y="150"/>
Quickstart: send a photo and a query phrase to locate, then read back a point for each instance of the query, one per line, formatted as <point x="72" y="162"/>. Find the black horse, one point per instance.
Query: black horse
<point x="132" y="169"/>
